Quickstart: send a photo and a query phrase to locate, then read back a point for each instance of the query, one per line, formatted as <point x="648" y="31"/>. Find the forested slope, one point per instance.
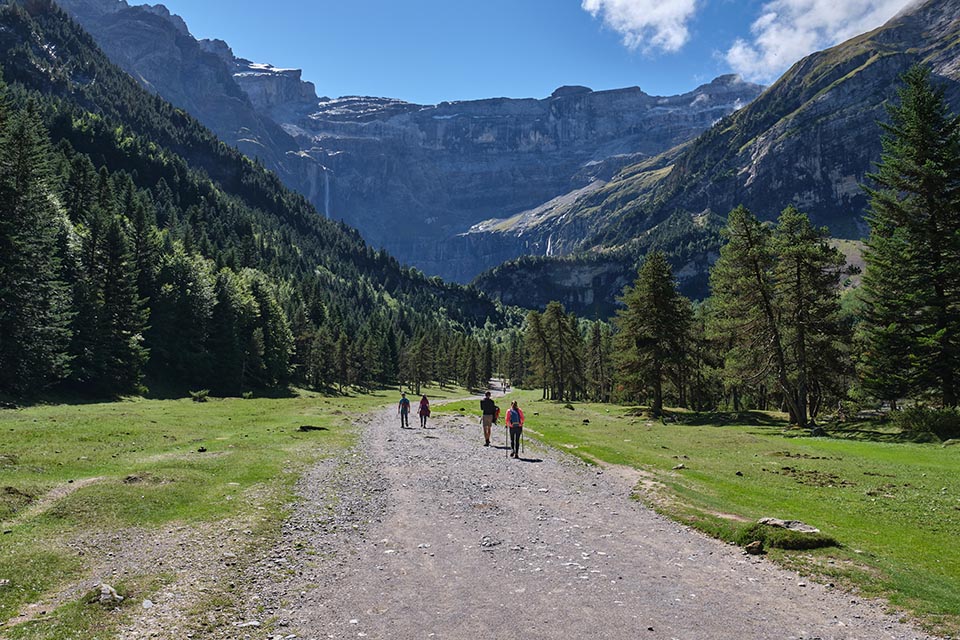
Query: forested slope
<point x="161" y="250"/>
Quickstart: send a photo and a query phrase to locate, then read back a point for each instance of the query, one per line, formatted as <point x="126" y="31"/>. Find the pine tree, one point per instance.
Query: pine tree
<point x="272" y="322"/>
<point x="747" y="308"/>
<point x="232" y="321"/>
<point x="342" y="361"/>
<point x="807" y="282"/>
<point x="651" y="330"/>
<point x="488" y="360"/>
<point x="34" y="315"/>
<point x="120" y="352"/>
<point x="911" y="287"/>
<point x="180" y="323"/>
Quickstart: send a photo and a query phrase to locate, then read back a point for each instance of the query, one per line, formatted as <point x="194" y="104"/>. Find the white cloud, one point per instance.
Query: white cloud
<point x="787" y="30"/>
<point x="648" y="25"/>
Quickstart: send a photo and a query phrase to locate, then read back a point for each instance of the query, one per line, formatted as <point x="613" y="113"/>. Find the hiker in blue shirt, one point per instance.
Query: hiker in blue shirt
<point x="403" y="410"/>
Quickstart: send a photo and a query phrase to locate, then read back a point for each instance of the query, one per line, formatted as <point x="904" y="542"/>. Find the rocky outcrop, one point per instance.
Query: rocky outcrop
<point x="156" y="48"/>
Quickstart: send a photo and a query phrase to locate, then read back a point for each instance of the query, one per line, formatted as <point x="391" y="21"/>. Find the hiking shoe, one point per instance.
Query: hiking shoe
<point x="487" y="443"/>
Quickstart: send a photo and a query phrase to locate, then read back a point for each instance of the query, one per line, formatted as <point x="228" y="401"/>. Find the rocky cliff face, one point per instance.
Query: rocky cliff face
<point x="412" y="178"/>
<point x="809" y="140"/>
<point x="156" y="48"/>
<point x="415" y="178"/>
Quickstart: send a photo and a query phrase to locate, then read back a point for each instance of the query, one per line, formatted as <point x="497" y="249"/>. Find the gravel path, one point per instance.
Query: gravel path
<point x="434" y="536"/>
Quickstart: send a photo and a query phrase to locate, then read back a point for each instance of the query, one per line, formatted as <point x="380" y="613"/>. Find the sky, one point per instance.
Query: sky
<point x="429" y="51"/>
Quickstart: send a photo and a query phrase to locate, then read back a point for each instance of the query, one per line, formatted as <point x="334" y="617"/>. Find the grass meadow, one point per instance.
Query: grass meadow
<point x="77" y="472"/>
<point x="893" y="506"/>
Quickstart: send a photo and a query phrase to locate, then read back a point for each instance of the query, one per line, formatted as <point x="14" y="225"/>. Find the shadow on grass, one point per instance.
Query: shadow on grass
<point x="878" y="430"/>
<point x="726" y="418"/>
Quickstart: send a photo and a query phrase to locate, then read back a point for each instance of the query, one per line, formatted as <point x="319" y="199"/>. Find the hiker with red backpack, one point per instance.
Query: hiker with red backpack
<point x="515" y="427"/>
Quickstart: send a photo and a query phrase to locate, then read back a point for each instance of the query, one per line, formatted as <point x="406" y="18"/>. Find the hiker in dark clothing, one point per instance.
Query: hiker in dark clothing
<point x="489" y="410"/>
<point x="515" y="425"/>
<point x="424" y="411"/>
<point x="403" y="410"/>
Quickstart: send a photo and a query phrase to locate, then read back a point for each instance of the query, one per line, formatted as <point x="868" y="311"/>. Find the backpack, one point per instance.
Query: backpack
<point x="496" y="414"/>
<point x="514" y="416"/>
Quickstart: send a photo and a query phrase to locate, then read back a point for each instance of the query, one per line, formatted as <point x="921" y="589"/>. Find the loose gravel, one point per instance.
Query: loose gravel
<point x="425" y="533"/>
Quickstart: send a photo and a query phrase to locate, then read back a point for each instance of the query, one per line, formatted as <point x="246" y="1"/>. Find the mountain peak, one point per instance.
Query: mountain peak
<point x="570" y="90"/>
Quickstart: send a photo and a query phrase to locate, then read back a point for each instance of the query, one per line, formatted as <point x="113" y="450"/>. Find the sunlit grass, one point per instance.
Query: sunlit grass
<point x="893" y="507"/>
<point x="69" y="470"/>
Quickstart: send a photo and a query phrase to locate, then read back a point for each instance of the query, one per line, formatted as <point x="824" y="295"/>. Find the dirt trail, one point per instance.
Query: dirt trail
<point x="436" y="536"/>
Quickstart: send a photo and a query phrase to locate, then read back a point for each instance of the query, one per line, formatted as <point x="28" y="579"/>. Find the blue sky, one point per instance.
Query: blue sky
<point x="428" y="51"/>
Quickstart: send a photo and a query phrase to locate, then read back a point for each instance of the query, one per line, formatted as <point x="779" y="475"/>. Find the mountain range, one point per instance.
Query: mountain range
<point x="808" y="140"/>
<point x="413" y="179"/>
<point x="569" y="191"/>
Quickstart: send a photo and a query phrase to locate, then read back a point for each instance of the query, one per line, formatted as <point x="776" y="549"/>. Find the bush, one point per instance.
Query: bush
<point x="247" y="395"/>
<point x="779" y="538"/>
<point x="924" y="422"/>
<point x="200" y="396"/>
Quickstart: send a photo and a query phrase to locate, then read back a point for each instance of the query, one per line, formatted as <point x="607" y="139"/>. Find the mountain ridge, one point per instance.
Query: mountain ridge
<point x="808" y="140"/>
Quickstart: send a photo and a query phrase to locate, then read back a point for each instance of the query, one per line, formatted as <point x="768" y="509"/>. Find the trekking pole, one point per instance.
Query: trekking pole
<point x="523" y="451"/>
<point x="506" y="439"/>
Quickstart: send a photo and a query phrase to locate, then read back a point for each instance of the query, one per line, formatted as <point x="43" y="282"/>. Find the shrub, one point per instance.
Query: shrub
<point x="924" y="422"/>
<point x="780" y="538"/>
<point x="200" y="396"/>
<point x="247" y="395"/>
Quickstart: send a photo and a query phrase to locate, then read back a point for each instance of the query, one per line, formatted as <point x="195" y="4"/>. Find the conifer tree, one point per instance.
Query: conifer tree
<point x="272" y="322"/>
<point x="807" y="281"/>
<point x="180" y="323"/>
<point x="232" y="321"/>
<point x="911" y="287"/>
<point x="342" y="361"/>
<point x="746" y="304"/>
<point x="120" y="352"/>
<point x="598" y="362"/>
<point x="651" y="330"/>
<point x="34" y="315"/>
<point x="487" y="359"/>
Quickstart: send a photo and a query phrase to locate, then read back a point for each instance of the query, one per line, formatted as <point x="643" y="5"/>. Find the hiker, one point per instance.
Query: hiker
<point x="515" y="425"/>
<point x="403" y="410"/>
<point x="424" y="411"/>
<point x="489" y="409"/>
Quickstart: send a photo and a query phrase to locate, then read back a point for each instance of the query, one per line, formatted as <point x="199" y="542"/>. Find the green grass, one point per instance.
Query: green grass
<point x="146" y="463"/>
<point x="894" y="507"/>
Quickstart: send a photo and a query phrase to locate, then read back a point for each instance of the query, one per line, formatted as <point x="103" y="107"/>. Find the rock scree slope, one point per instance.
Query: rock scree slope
<point x="432" y="535"/>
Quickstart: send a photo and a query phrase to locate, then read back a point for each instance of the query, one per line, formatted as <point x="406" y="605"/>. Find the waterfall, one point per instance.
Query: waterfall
<point x="550" y="245"/>
<point x="326" y="193"/>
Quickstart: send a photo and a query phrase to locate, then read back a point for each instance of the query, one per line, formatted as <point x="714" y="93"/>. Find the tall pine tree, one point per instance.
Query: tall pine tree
<point x="34" y="314"/>
<point x="652" y="329"/>
<point x="911" y="287"/>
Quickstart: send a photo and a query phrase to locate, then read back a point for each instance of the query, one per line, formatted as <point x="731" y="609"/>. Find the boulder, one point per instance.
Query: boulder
<point x="792" y="525"/>
<point x="755" y="548"/>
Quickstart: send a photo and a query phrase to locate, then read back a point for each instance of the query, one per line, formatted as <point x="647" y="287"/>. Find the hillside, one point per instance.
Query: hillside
<point x="121" y="158"/>
<point x="808" y="140"/>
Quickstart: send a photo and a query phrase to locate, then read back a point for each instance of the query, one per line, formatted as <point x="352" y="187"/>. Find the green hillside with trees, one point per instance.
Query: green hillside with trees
<point x="780" y="330"/>
<point x="137" y="248"/>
